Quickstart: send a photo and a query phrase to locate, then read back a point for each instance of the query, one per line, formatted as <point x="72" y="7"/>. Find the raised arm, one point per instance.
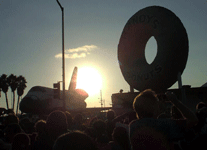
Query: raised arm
<point x="189" y="115"/>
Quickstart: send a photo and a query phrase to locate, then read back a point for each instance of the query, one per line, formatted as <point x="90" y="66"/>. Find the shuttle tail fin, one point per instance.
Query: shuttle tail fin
<point x="73" y="81"/>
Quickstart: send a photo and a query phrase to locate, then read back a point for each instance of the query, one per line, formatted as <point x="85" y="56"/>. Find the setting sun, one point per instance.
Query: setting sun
<point x="89" y="80"/>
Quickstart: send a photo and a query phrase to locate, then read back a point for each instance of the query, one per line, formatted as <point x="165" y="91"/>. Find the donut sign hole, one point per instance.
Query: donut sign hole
<point x="151" y="50"/>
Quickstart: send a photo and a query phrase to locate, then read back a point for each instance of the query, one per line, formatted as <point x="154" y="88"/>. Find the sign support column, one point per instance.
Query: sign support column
<point x="63" y="55"/>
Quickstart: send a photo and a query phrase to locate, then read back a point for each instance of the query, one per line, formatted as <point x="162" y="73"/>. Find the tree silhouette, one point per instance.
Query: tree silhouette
<point x="5" y="87"/>
<point x="20" y="88"/>
<point x="12" y="81"/>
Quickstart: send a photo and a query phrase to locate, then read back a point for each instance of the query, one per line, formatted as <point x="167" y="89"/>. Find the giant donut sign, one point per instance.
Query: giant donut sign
<point x="172" y="49"/>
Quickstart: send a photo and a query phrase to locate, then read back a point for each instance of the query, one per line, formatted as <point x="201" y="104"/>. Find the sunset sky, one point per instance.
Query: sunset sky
<point x="31" y="41"/>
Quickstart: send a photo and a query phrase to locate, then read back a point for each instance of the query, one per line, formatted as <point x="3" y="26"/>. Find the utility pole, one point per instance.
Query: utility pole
<point x="63" y="55"/>
<point x="180" y="86"/>
<point x="101" y="99"/>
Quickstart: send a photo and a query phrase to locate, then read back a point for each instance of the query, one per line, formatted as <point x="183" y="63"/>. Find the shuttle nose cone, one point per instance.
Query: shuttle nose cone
<point x="32" y="105"/>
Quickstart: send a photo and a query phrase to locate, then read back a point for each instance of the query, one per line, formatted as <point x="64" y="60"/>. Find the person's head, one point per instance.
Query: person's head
<point x="132" y="116"/>
<point x="78" y="118"/>
<point x="21" y="141"/>
<point x="201" y="111"/>
<point x="56" y="123"/>
<point x="92" y="121"/>
<point x="75" y="140"/>
<point x="24" y="120"/>
<point x="110" y="115"/>
<point x="11" y="118"/>
<point x="176" y="114"/>
<point x="91" y="132"/>
<point x="120" y="135"/>
<point x="40" y="126"/>
<point x="69" y="119"/>
<point x="100" y="126"/>
<point x="146" y="104"/>
<point x="200" y="105"/>
<point x="11" y="130"/>
<point x="26" y="125"/>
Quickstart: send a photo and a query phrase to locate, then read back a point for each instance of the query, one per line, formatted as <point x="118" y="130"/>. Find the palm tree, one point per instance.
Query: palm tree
<point x="5" y="87"/>
<point x="0" y="86"/>
<point x="20" y="88"/>
<point x="12" y="80"/>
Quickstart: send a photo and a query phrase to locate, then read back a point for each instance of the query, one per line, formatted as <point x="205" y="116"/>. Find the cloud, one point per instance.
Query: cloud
<point x="78" y="52"/>
<point x="75" y="55"/>
<point x="85" y="48"/>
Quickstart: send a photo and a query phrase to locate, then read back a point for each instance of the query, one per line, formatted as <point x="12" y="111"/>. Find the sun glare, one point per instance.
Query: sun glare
<point x="89" y="80"/>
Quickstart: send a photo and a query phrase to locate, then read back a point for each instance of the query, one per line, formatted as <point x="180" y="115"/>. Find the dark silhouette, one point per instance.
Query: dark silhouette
<point x="146" y="105"/>
<point x="40" y="128"/>
<point x="11" y="118"/>
<point x="110" y="125"/>
<point x="75" y="140"/>
<point x="26" y="125"/>
<point x="56" y="125"/>
<point x="101" y="135"/>
<point x="69" y="120"/>
<point x="41" y="138"/>
<point x="10" y="131"/>
<point x="21" y="141"/>
<point x="12" y="81"/>
<point x="20" y="88"/>
<point x="77" y="122"/>
<point x="201" y="113"/>
<point x="120" y="139"/>
<point x="135" y="129"/>
<point x="4" y="86"/>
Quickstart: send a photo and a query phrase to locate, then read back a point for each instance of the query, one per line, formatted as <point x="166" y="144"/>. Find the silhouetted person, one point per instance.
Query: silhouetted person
<point x="110" y="115"/>
<point x="90" y="131"/>
<point x="41" y="137"/>
<point x="146" y="105"/>
<point x="11" y="118"/>
<point x="120" y="140"/>
<point x="92" y="121"/>
<point x="75" y="140"/>
<point x="56" y="125"/>
<point x="26" y="125"/>
<point x="176" y="115"/>
<point x="201" y="113"/>
<point x="101" y="135"/>
<point x="10" y="131"/>
<point x="200" y="105"/>
<point x="110" y="125"/>
<point x="69" y="120"/>
<point x="21" y="141"/>
<point x="77" y="122"/>
<point x="40" y="128"/>
<point x="132" y="116"/>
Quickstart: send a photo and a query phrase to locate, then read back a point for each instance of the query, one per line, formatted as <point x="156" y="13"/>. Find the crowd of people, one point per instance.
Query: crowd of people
<point x="145" y="127"/>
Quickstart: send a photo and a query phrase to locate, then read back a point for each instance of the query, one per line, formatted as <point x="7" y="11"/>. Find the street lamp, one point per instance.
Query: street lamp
<point x="63" y="54"/>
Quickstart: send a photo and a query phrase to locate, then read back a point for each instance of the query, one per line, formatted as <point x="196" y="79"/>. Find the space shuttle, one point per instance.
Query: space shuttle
<point x="41" y="100"/>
